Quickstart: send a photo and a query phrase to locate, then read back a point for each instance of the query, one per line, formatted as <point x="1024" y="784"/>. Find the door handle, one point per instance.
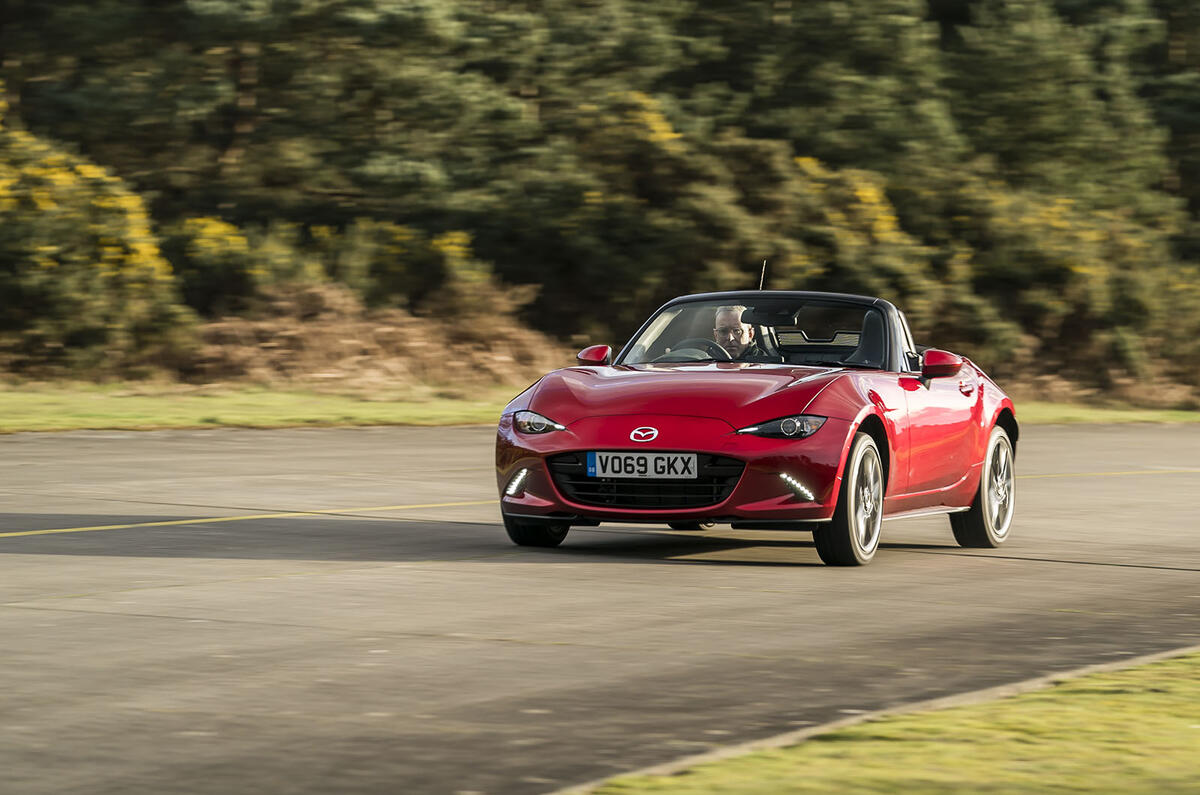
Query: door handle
<point x="966" y="387"/>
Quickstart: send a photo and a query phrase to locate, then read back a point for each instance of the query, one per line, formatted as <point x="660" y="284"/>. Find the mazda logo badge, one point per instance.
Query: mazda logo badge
<point x="644" y="434"/>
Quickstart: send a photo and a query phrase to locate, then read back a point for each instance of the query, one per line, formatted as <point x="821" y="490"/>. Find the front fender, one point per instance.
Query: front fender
<point x="995" y="403"/>
<point x="863" y="399"/>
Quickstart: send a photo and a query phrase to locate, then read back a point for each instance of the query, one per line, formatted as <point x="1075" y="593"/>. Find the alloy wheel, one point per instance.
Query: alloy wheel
<point x="868" y="502"/>
<point x="998" y="495"/>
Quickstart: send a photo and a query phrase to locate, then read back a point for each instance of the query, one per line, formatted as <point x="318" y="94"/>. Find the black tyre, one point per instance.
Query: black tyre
<point x="852" y="537"/>
<point x="985" y="525"/>
<point x="529" y="534"/>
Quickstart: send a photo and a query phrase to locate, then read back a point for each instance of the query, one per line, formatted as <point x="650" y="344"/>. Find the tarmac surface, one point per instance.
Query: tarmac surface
<point x="393" y="640"/>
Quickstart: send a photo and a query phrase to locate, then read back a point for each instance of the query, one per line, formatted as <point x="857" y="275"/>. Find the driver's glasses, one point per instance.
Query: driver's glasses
<point x="736" y="332"/>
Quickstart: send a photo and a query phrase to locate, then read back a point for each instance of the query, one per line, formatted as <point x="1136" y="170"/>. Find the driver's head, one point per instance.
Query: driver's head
<point x="730" y="332"/>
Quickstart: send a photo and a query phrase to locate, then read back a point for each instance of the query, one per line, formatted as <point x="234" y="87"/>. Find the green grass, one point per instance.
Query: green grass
<point x="1132" y="731"/>
<point x="1034" y="413"/>
<point x="61" y="408"/>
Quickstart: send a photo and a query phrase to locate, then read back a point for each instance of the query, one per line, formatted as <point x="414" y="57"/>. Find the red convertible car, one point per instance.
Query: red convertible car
<point x="762" y="410"/>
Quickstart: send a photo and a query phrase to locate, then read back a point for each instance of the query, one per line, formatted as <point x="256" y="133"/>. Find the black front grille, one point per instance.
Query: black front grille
<point x="715" y="481"/>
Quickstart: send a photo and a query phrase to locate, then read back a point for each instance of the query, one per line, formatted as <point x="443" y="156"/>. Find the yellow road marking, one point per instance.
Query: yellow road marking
<point x="377" y="508"/>
<point x="245" y="518"/>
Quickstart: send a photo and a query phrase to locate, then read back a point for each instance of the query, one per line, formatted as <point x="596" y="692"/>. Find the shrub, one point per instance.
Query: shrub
<point x="82" y="281"/>
<point x="222" y="267"/>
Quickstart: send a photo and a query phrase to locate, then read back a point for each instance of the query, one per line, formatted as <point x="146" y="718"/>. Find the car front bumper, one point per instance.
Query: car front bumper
<point x="760" y="496"/>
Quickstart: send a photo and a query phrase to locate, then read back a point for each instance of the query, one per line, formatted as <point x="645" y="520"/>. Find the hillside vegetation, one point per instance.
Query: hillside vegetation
<point x="1021" y="176"/>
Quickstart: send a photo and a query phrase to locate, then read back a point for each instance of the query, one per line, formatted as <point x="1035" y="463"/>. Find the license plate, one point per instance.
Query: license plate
<point x="678" y="466"/>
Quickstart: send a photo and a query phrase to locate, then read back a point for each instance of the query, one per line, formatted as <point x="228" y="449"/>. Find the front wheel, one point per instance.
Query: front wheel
<point x="528" y="534"/>
<point x="852" y="537"/>
<point x="985" y="524"/>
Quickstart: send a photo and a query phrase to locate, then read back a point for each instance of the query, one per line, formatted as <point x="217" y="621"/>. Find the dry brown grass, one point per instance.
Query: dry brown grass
<point x="322" y="338"/>
<point x="1147" y="393"/>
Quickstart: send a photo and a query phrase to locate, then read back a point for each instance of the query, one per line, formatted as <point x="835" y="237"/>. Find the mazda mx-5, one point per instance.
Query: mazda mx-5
<point x="762" y="410"/>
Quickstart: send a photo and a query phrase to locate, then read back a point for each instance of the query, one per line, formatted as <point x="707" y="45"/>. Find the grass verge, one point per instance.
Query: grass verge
<point x="63" y="407"/>
<point x="1136" y="730"/>
<point x="1036" y="413"/>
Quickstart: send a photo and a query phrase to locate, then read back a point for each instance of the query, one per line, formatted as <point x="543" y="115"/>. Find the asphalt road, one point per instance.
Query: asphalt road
<point x="382" y="647"/>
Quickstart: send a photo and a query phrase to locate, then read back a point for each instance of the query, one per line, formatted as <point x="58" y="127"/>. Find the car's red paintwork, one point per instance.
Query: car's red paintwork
<point x="932" y="433"/>
<point x="596" y="354"/>
<point x="940" y="364"/>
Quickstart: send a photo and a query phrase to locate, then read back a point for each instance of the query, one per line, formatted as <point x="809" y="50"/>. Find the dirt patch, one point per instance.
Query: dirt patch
<point x="322" y="337"/>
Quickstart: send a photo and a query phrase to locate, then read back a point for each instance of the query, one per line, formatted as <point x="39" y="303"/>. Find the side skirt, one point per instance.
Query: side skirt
<point x="919" y="512"/>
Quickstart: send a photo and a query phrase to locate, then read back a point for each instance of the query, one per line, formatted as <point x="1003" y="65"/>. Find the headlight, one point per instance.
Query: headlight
<point x="796" y="427"/>
<point x="532" y="422"/>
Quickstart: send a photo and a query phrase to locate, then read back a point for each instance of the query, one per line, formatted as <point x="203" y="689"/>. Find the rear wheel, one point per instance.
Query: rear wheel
<point x="985" y="524"/>
<point x="852" y="537"/>
<point x="529" y="534"/>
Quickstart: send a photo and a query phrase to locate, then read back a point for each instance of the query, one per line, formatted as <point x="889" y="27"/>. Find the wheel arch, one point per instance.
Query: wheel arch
<point x="873" y="426"/>
<point x="848" y="399"/>
<point x="1008" y="421"/>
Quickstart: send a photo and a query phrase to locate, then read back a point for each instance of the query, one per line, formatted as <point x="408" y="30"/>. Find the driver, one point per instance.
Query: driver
<point x="736" y="337"/>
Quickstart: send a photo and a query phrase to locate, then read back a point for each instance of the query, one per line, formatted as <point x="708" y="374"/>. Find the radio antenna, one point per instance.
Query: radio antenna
<point x="763" y="277"/>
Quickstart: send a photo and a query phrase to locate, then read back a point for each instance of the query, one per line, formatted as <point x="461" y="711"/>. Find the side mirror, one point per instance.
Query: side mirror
<point x="596" y="354"/>
<point x="940" y="364"/>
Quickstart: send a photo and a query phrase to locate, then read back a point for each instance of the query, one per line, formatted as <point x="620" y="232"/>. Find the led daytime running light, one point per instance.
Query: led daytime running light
<point x="517" y="484"/>
<point x="798" y="488"/>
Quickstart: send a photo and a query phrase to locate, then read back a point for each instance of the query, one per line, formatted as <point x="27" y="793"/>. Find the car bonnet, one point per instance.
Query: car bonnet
<point x="737" y="393"/>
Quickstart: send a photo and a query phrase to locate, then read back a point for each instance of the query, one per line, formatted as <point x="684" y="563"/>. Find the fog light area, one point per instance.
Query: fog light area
<point x="798" y="488"/>
<point x="516" y="486"/>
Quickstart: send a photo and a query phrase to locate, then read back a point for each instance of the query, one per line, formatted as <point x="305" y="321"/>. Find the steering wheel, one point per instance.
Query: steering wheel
<point x="708" y="346"/>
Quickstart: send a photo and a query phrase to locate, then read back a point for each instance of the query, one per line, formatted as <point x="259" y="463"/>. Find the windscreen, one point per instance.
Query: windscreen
<point x="783" y="331"/>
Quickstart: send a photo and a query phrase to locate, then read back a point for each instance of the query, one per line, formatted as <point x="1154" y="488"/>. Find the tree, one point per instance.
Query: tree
<point x="1029" y="94"/>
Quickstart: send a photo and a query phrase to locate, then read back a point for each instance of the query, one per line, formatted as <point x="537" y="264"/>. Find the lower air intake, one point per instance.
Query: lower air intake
<point x="716" y="477"/>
